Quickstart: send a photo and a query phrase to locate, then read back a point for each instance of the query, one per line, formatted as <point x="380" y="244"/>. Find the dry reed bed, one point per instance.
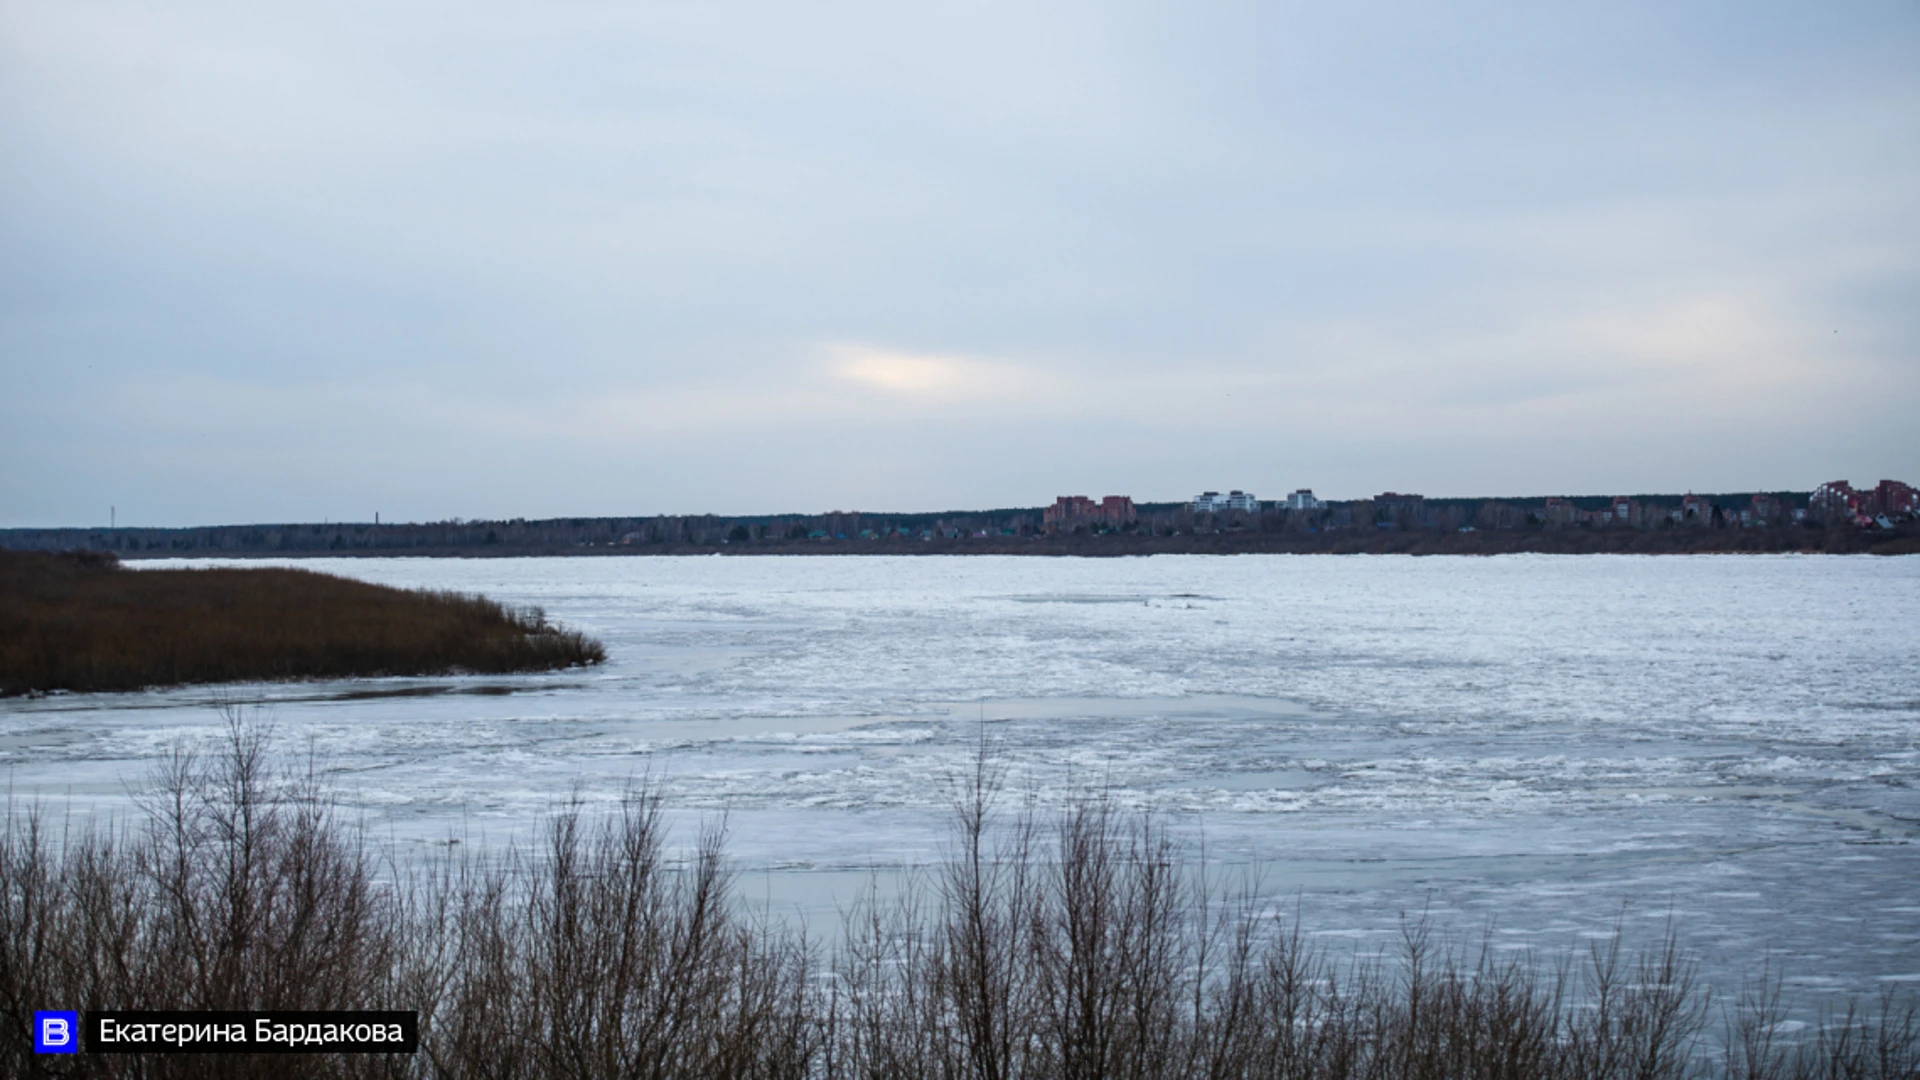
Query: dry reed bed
<point x="1074" y="946"/>
<point x="79" y="622"/>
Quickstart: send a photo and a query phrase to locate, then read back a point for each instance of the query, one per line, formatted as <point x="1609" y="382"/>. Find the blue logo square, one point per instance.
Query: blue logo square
<point x="56" y="1032"/>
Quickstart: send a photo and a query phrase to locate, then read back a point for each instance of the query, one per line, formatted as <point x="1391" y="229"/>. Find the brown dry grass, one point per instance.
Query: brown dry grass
<point x="79" y="622"/>
<point x="1073" y="946"/>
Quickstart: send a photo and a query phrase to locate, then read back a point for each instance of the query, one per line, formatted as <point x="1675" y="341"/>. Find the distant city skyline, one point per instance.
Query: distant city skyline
<point x="1835" y="517"/>
<point x="1836" y="497"/>
<point x="312" y="263"/>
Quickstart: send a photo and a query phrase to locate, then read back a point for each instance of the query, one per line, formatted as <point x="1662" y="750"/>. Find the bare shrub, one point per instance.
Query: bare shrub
<point x="602" y="959"/>
<point x="1082" y="948"/>
<point x="238" y="890"/>
<point x="1074" y="945"/>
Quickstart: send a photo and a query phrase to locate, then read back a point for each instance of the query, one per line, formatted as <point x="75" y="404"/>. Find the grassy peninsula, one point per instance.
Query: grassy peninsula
<point x="79" y="621"/>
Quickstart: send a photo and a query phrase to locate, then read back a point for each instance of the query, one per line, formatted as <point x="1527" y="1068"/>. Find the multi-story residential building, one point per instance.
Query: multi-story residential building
<point x="1070" y="510"/>
<point x="1834" y="500"/>
<point x="1837" y="500"/>
<point x="1303" y="499"/>
<point x="1212" y="502"/>
<point x="1406" y="510"/>
<point x="1894" y="497"/>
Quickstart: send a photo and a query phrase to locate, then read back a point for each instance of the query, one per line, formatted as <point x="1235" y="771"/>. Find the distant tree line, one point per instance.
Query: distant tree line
<point x="1363" y="524"/>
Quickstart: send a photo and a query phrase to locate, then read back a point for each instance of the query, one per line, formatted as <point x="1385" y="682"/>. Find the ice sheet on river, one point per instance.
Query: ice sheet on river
<point x="1526" y="741"/>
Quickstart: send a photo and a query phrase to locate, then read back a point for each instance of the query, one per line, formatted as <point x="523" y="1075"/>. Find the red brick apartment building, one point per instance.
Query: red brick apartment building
<point x="1070" y="510"/>
<point x="1837" y="500"/>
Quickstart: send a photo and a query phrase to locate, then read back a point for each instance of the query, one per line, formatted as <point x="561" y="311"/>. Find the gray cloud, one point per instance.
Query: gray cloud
<point x="288" y="262"/>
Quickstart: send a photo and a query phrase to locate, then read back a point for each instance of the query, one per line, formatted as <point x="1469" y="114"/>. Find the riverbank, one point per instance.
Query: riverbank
<point x="80" y="622"/>
<point x="1904" y="540"/>
<point x="1081" y="942"/>
<point x="1648" y="525"/>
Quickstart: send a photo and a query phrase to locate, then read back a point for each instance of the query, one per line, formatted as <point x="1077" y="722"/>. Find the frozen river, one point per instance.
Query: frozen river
<point x="1526" y="743"/>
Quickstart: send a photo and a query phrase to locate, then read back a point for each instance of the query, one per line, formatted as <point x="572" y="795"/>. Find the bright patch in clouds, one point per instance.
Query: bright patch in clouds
<point x="930" y="377"/>
<point x="561" y="260"/>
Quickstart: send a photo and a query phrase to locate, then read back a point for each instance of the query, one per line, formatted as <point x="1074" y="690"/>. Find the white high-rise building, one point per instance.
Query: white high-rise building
<point x="1212" y="502"/>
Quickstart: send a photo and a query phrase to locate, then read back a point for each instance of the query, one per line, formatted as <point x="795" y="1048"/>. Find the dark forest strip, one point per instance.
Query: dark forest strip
<point x="994" y="532"/>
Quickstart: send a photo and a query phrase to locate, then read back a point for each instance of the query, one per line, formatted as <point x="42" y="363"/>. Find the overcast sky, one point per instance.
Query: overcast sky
<point x="266" y="262"/>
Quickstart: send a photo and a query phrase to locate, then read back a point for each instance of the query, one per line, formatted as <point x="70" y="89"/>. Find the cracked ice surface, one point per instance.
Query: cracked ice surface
<point x="1523" y="742"/>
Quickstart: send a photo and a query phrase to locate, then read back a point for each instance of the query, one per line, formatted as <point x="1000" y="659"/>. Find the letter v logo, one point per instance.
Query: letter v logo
<point x="56" y="1032"/>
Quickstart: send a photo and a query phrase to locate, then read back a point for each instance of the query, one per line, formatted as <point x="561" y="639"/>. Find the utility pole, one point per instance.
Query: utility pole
<point x="113" y="513"/>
